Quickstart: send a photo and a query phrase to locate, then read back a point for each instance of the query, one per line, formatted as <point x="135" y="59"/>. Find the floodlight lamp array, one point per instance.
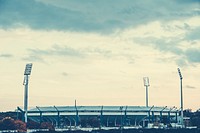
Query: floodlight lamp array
<point x="28" y="69"/>
<point x="146" y="81"/>
<point x="180" y="75"/>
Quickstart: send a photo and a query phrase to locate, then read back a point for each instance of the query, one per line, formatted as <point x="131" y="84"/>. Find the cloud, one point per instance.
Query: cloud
<point x="33" y="58"/>
<point x="84" y="53"/>
<point x="178" y="39"/>
<point x="181" y="62"/>
<point x="6" y="55"/>
<point x="193" y="55"/>
<point x="65" y="74"/>
<point x="190" y="87"/>
<point x="98" y="16"/>
<point x="167" y="45"/>
<point x="65" y="51"/>
<point x="98" y="51"/>
<point x="188" y="56"/>
<point x="37" y="15"/>
<point x="55" y="50"/>
<point x="162" y="44"/>
<point x="193" y="34"/>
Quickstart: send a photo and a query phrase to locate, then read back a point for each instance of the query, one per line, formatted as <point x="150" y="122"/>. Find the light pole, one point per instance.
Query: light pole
<point x="146" y="84"/>
<point x="27" y="72"/>
<point x="181" y="78"/>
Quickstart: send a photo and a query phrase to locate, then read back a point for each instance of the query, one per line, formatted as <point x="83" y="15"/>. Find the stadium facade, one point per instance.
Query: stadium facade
<point x="102" y="116"/>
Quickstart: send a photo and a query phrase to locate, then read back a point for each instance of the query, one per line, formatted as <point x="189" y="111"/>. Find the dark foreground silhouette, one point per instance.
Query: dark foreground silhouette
<point x="133" y="131"/>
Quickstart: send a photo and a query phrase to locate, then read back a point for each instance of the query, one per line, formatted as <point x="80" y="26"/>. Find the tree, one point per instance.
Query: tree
<point x="33" y="125"/>
<point x="10" y="124"/>
<point x="47" y="125"/>
<point x="1" y="125"/>
<point x="20" y="126"/>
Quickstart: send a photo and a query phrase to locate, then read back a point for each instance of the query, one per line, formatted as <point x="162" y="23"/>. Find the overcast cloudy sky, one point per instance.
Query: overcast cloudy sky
<point x="98" y="51"/>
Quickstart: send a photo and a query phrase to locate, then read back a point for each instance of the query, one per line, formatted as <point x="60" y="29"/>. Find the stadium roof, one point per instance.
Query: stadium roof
<point x="101" y="109"/>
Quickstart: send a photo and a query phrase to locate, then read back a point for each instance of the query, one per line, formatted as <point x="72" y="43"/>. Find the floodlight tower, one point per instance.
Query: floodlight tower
<point x="181" y="78"/>
<point x="27" y="72"/>
<point x="146" y="84"/>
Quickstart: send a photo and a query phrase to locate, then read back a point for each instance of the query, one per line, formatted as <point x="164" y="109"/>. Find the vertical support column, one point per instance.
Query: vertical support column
<point x="169" y="114"/>
<point x="101" y="117"/>
<point x="169" y="120"/>
<point x="149" y="113"/>
<point x="161" y="119"/>
<point x="107" y="124"/>
<point x="70" y="123"/>
<point x="77" y="117"/>
<point x="122" y="119"/>
<point x="149" y="116"/>
<point x="121" y="123"/>
<point x="22" y="113"/>
<point x="17" y="113"/>
<point x="182" y="123"/>
<point x="40" y="117"/>
<point x="27" y="72"/>
<point x="58" y="119"/>
<point x="115" y="121"/>
<point x="153" y="116"/>
<point x="26" y="99"/>
<point x="125" y="117"/>
<point x="146" y="84"/>
<point x="74" y="122"/>
<point x="58" y="116"/>
<point x="147" y="102"/>
<point x="176" y="117"/>
<point x="40" y="114"/>
<point x="181" y="84"/>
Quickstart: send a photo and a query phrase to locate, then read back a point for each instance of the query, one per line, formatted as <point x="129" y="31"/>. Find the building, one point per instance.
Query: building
<point x="102" y="116"/>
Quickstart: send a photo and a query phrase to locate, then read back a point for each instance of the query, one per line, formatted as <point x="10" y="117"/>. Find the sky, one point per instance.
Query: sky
<point x="98" y="51"/>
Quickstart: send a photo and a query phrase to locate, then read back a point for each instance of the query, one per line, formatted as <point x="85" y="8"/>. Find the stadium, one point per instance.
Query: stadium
<point x="102" y="116"/>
